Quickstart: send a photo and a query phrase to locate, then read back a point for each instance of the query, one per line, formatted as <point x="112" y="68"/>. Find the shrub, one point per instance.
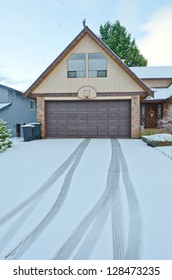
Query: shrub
<point x="5" y="136"/>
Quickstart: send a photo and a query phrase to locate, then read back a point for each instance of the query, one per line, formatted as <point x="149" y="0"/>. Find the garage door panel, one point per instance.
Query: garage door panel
<point x="88" y="118"/>
<point x="82" y="121"/>
<point x="82" y="116"/>
<point x="64" y="122"/>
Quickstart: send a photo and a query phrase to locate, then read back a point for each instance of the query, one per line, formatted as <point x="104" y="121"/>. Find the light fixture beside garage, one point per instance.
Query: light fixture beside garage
<point x="87" y="92"/>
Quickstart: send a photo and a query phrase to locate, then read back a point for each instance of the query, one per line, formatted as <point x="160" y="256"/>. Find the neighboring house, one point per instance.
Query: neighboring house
<point x="15" y="109"/>
<point x="159" y="78"/>
<point x="88" y="92"/>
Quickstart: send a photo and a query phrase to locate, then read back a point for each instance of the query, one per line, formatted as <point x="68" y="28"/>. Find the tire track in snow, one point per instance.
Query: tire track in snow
<point x="18" y="251"/>
<point x="43" y="188"/>
<point x="134" y="236"/>
<point x="99" y="209"/>
<point x="92" y="237"/>
<point x="6" y="238"/>
<point x="112" y="185"/>
<point x="67" y="248"/>
<point x="117" y="230"/>
<point x="31" y="202"/>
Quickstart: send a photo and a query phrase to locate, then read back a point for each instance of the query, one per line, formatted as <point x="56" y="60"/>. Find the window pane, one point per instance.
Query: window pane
<point x="32" y="105"/>
<point x="96" y="63"/>
<point x="81" y="74"/>
<point x="92" y="74"/>
<point x="77" y="56"/>
<point x="101" y="73"/>
<point x="159" y="112"/>
<point x="77" y="63"/>
<point x="71" y="74"/>
<point x="97" y="56"/>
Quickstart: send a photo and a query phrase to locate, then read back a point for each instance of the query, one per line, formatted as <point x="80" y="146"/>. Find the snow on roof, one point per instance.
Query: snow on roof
<point x="153" y="72"/>
<point x="3" y="105"/>
<point x="162" y="93"/>
<point x="10" y="89"/>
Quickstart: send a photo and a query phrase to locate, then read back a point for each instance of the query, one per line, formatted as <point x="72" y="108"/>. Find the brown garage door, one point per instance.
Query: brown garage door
<point x="88" y="118"/>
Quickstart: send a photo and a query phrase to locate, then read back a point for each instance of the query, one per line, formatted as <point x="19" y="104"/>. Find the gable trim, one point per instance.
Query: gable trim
<point x="68" y="49"/>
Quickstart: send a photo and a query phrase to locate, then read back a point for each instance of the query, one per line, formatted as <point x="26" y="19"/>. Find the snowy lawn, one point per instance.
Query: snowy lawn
<point x="81" y="199"/>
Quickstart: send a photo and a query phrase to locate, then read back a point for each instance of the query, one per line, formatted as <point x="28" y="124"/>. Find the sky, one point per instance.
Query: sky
<point x="33" y="33"/>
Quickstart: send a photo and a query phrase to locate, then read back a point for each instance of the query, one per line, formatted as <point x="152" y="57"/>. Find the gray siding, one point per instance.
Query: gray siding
<point x="19" y="112"/>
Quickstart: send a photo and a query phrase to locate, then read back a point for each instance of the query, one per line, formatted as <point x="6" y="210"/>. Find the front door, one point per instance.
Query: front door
<point x="151" y="115"/>
<point x="18" y="130"/>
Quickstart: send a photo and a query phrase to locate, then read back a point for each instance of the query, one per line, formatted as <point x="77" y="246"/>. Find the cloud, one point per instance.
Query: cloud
<point x="156" y="45"/>
<point x="21" y="85"/>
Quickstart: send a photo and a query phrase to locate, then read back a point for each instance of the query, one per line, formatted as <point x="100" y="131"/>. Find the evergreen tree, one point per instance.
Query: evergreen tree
<point x="116" y="37"/>
<point x="5" y="141"/>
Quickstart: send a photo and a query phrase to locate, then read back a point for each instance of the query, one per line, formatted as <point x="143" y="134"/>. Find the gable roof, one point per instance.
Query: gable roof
<point x="77" y="39"/>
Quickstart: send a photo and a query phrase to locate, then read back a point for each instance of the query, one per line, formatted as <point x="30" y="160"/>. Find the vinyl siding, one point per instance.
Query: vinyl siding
<point x="117" y="79"/>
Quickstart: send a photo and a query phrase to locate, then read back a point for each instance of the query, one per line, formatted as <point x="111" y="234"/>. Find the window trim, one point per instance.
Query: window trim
<point x="98" y="73"/>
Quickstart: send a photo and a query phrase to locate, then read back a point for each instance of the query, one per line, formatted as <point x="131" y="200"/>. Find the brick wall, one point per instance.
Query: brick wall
<point x="167" y="110"/>
<point x="135" y="117"/>
<point x="41" y="114"/>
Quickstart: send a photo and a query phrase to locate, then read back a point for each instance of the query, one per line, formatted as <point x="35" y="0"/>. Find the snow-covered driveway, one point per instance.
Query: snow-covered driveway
<point x="85" y="199"/>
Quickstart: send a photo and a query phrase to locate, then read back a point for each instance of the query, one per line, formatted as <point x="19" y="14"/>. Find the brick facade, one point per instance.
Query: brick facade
<point x="41" y="114"/>
<point x="135" y="117"/>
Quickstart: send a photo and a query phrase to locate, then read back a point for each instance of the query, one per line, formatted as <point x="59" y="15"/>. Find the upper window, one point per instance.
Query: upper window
<point x="77" y="66"/>
<point x="97" y="65"/>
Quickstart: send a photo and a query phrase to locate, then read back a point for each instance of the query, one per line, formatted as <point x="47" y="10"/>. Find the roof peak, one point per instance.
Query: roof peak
<point x="102" y="45"/>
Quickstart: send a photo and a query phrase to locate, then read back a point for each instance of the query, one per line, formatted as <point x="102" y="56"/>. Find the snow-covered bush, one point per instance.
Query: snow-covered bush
<point x="163" y="139"/>
<point x="5" y="136"/>
<point x="166" y="123"/>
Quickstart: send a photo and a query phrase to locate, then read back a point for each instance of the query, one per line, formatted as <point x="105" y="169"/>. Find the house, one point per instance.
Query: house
<point x="159" y="78"/>
<point x="88" y="91"/>
<point x="15" y="109"/>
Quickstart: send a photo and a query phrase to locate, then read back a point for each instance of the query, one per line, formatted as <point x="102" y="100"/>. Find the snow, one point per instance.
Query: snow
<point x="3" y="105"/>
<point x="150" y="171"/>
<point x="153" y="72"/>
<point x="136" y="213"/>
<point x="166" y="150"/>
<point x="28" y="125"/>
<point x="162" y="137"/>
<point x="162" y="93"/>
